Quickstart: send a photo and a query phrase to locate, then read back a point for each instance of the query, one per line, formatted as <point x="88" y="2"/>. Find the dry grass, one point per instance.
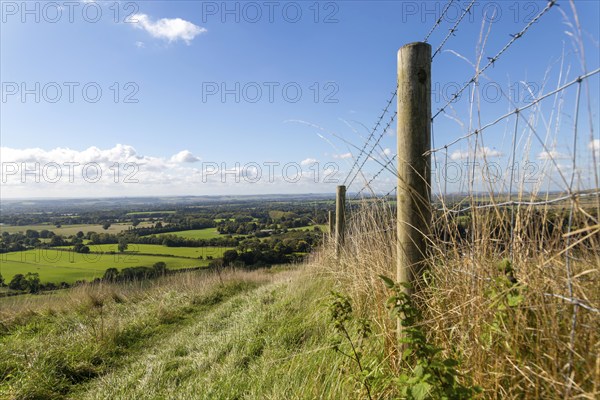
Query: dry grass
<point x="540" y="346"/>
<point x="514" y="294"/>
<point x="17" y="310"/>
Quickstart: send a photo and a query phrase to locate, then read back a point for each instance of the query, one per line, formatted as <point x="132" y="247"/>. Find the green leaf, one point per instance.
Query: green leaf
<point x="387" y="281"/>
<point x="514" y="300"/>
<point x="421" y="390"/>
<point x="450" y="362"/>
<point x="418" y="372"/>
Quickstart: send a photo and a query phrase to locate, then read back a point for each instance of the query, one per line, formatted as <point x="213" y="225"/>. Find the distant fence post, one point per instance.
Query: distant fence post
<point x="331" y="224"/>
<point x="414" y="165"/>
<point x="340" y="218"/>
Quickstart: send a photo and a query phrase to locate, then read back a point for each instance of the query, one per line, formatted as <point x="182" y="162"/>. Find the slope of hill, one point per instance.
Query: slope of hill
<point x="260" y="334"/>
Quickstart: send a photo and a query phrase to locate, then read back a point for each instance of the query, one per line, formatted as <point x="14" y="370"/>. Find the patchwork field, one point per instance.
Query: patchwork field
<point x="57" y="266"/>
<point x="207" y="233"/>
<point x="144" y="213"/>
<point x="72" y="229"/>
<point x="155" y="249"/>
<point x="323" y="227"/>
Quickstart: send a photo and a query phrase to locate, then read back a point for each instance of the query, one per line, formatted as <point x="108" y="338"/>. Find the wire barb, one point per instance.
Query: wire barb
<point x="439" y="20"/>
<point x="492" y="60"/>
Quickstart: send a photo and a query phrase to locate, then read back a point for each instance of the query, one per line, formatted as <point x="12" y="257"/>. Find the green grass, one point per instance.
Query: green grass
<point x="57" y="266"/>
<point x="150" y="212"/>
<point x="210" y="233"/>
<point x="207" y="233"/>
<point x="155" y="249"/>
<point x="73" y="229"/>
<point x="323" y="227"/>
<point x="240" y="339"/>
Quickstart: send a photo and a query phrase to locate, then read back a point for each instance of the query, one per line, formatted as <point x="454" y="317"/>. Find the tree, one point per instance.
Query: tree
<point x="110" y="275"/>
<point x="57" y="241"/>
<point x="17" y="282"/>
<point x="45" y="233"/>
<point x="30" y="233"/>
<point x="77" y="247"/>
<point x="160" y="268"/>
<point x="122" y="245"/>
<point x="32" y="282"/>
<point x="95" y="238"/>
<point x="29" y="282"/>
<point x="106" y="225"/>
<point x="229" y="256"/>
<point x="1" y="280"/>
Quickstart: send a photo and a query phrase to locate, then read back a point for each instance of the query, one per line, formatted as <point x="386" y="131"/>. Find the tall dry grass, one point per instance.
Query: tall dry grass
<point x="505" y="311"/>
<point x="18" y="310"/>
<point x="511" y="292"/>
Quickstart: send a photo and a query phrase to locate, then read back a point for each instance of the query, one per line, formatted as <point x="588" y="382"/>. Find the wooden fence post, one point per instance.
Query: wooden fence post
<point x="414" y="165"/>
<point x="331" y="224"/>
<point x="340" y="218"/>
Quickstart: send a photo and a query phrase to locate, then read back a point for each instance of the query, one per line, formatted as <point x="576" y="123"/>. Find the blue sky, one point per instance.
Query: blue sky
<point x="177" y="50"/>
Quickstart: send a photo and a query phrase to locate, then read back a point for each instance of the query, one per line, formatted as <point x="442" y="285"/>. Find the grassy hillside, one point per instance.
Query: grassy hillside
<point x="254" y="335"/>
<point x="478" y="326"/>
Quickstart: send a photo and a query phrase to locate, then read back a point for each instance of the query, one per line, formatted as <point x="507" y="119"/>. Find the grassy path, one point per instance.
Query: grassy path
<point x="256" y="336"/>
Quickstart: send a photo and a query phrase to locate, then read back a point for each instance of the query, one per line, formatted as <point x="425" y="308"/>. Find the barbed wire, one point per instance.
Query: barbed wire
<point x="516" y="111"/>
<point x="511" y="203"/>
<point x="379" y="120"/>
<point x="453" y="29"/>
<point x="369" y="156"/>
<point x="439" y="20"/>
<point x="375" y="177"/>
<point x="492" y="60"/>
<point x="339" y="137"/>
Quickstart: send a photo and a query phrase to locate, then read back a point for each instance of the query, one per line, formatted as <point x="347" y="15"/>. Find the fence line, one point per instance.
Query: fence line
<point x="392" y="119"/>
<point x="572" y="213"/>
<point x="521" y="203"/>
<point x="377" y="124"/>
<point x="492" y="60"/>
<point x="517" y="110"/>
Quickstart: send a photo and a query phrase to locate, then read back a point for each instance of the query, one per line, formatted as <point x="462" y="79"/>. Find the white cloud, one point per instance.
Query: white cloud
<point x="140" y="45"/>
<point x="387" y="152"/>
<point x="119" y="153"/>
<point x="552" y="155"/>
<point x="459" y="155"/>
<point x="122" y="171"/>
<point x="184" y="156"/>
<point x="594" y="146"/>
<point x="308" y="161"/>
<point x="486" y="151"/>
<point x="171" y="29"/>
<point x="343" y="156"/>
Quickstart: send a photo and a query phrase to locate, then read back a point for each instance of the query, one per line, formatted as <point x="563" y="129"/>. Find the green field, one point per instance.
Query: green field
<point x="156" y="249"/>
<point x="72" y="229"/>
<point x="57" y="266"/>
<point x="323" y="227"/>
<point x="207" y="233"/>
<point x="150" y="212"/>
